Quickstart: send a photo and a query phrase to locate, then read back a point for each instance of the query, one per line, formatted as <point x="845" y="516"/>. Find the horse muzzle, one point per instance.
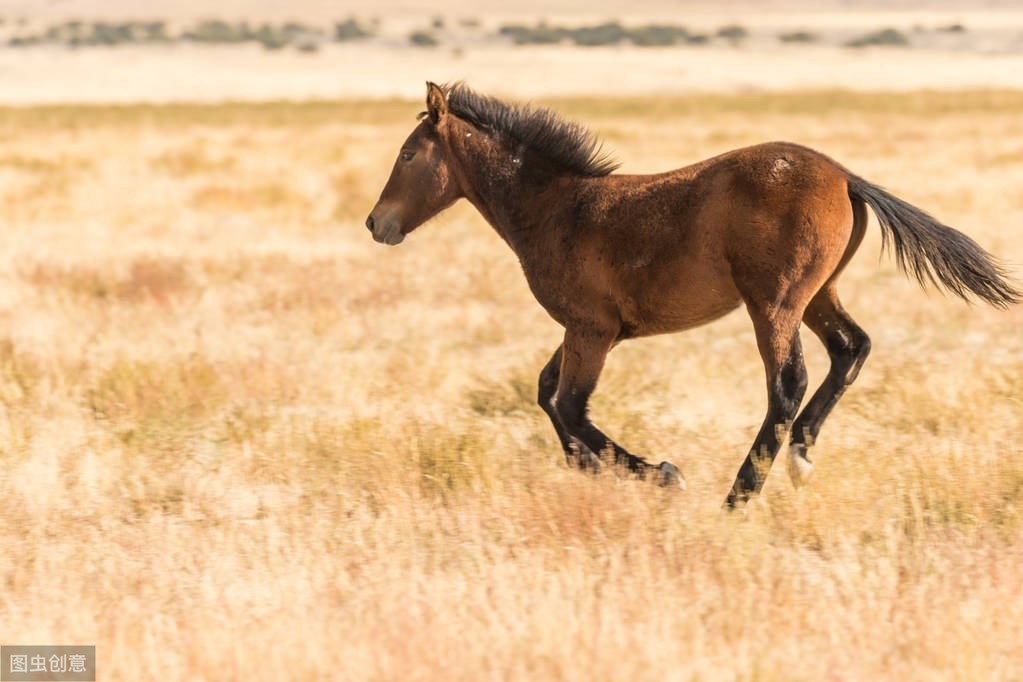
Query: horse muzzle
<point x="385" y="231"/>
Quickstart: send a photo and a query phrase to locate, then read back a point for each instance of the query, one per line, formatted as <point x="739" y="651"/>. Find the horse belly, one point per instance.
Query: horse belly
<point x="670" y="299"/>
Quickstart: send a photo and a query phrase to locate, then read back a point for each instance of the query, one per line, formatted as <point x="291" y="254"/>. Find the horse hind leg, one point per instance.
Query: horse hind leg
<point x="848" y="346"/>
<point x="780" y="348"/>
<point x="819" y="246"/>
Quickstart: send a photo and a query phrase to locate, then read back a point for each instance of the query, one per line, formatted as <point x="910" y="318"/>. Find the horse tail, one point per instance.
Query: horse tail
<point x="933" y="252"/>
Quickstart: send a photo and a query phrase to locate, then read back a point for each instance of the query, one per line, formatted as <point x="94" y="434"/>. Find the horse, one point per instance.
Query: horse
<point x="613" y="257"/>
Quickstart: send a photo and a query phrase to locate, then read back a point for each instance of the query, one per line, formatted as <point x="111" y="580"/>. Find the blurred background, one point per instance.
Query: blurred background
<point x="102" y="51"/>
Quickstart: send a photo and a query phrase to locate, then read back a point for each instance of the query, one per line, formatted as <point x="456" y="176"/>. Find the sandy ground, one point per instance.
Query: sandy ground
<point x="213" y="74"/>
<point x="990" y="54"/>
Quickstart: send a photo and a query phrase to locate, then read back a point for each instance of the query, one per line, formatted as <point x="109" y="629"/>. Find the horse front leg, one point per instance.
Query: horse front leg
<point x="547" y="385"/>
<point x="582" y="359"/>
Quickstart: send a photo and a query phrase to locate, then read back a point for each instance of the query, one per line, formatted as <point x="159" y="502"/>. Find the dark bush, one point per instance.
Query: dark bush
<point x="110" y="34"/>
<point x="733" y="33"/>
<point x="657" y="35"/>
<point x="217" y="31"/>
<point x="154" y="31"/>
<point x="887" y="37"/>
<point x="350" y="29"/>
<point x="77" y="33"/>
<point x="269" y="37"/>
<point x="609" y="33"/>
<point x="422" y="39"/>
<point x="24" y="41"/>
<point x="696" y="39"/>
<point x="305" y="38"/>
<point x="798" y="37"/>
<point x="541" y="34"/>
<point x="294" y="31"/>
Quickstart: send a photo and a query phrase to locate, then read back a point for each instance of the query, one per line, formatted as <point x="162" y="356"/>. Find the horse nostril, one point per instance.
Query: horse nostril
<point x="369" y="223"/>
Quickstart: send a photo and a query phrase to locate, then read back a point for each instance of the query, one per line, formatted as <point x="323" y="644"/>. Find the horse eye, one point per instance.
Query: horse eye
<point x="407" y="154"/>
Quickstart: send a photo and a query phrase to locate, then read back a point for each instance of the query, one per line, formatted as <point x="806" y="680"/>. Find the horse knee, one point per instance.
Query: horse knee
<point x="546" y="386"/>
<point x="568" y="417"/>
<point x="862" y="348"/>
<point x="790" y="387"/>
<point x="800" y="381"/>
<point x="849" y="351"/>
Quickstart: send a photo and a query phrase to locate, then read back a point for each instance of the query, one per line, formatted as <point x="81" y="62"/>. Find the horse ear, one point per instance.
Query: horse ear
<point x="436" y="102"/>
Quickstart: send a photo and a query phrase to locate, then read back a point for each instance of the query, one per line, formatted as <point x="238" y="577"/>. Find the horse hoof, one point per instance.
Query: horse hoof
<point x="669" y="476"/>
<point x="584" y="458"/>
<point x="800" y="467"/>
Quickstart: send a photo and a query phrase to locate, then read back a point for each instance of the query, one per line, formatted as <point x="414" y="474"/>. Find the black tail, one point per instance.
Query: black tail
<point x="934" y="252"/>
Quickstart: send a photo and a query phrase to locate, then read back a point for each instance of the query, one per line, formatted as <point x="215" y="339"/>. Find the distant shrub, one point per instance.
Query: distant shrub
<point x="609" y="33"/>
<point x="798" y="37"/>
<point x="437" y="24"/>
<point x="76" y="33"/>
<point x="657" y="35"/>
<point x="306" y="38"/>
<point x="24" y="41"/>
<point x="464" y="22"/>
<point x="217" y="31"/>
<point x="422" y="39"/>
<point x="952" y="28"/>
<point x="296" y="33"/>
<point x="111" y="34"/>
<point x="541" y="34"/>
<point x="53" y="34"/>
<point x="269" y="37"/>
<point x="733" y="33"/>
<point x="350" y="29"/>
<point x="888" y="37"/>
<point x="154" y="31"/>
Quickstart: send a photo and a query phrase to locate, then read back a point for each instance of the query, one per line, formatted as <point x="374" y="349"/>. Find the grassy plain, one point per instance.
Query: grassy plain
<point x="240" y="440"/>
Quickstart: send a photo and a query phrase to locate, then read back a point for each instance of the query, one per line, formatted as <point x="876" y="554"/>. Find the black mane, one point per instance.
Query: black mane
<point x="564" y="142"/>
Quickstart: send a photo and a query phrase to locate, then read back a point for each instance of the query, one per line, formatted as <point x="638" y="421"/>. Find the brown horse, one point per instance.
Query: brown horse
<point x="613" y="257"/>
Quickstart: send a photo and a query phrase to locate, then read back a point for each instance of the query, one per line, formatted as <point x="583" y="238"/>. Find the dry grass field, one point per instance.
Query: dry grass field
<point x="240" y="440"/>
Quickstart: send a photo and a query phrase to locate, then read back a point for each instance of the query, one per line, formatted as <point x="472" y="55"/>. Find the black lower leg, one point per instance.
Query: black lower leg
<point x="786" y="391"/>
<point x="848" y="348"/>
<point x="572" y="412"/>
<point x="547" y="386"/>
<point x="582" y="358"/>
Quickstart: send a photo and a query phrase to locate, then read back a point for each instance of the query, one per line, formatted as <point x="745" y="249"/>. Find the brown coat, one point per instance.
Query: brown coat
<point x="611" y="257"/>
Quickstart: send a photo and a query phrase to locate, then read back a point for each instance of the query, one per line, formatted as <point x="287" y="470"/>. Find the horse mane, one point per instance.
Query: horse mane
<point x="564" y="142"/>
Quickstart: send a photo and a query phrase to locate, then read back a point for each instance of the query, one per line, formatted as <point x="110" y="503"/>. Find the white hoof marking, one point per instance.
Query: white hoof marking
<point x="670" y="476"/>
<point x="800" y="468"/>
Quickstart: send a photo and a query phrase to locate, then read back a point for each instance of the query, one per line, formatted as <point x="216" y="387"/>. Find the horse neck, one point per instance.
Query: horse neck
<point x="507" y="187"/>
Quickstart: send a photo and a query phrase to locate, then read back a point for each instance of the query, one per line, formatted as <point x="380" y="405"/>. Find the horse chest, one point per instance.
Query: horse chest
<point x="567" y="290"/>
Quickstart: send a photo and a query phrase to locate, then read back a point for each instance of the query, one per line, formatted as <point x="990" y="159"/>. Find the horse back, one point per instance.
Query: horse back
<point x="684" y="247"/>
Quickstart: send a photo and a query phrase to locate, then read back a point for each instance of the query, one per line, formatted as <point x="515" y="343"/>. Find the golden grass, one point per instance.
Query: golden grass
<point x="239" y="440"/>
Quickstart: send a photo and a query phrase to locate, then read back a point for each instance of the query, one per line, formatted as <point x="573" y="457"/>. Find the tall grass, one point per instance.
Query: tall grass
<point x="240" y="440"/>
